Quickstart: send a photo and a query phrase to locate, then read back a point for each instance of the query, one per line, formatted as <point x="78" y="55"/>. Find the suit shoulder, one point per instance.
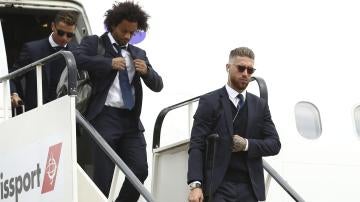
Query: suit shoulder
<point x="257" y="98"/>
<point x="252" y="95"/>
<point x="135" y="48"/>
<point x="90" y="42"/>
<point x="94" y="36"/>
<point x="72" y="45"/>
<point x="90" y="38"/>
<point x="212" y="95"/>
<point x="37" y="43"/>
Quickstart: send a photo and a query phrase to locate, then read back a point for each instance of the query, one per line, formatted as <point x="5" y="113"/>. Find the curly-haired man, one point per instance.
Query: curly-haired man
<point x="115" y="106"/>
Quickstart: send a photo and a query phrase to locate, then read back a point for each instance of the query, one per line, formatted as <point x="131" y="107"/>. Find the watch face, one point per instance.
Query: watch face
<point x="195" y="185"/>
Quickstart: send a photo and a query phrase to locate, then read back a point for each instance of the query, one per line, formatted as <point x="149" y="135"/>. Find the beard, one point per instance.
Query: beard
<point x="239" y="84"/>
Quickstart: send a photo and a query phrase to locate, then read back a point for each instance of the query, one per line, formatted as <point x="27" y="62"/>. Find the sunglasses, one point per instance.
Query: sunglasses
<point x="61" y="33"/>
<point x="241" y="68"/>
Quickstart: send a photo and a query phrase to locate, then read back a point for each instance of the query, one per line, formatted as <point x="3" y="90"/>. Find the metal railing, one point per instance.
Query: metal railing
<point x="160" y="119"/>
<point x="271" y="171"/>
<point x="282" y="182"/>
<point x="101" y="142"/>
<point x="72" y="73"/>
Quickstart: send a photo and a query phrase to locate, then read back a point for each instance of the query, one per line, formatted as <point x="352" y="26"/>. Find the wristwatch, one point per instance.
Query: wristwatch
<point x="194" y="185"/>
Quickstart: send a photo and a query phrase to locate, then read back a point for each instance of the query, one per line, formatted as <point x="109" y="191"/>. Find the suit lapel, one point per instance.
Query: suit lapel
<point x="251" y="103"/>
<point x="109" y="48"/>
<point x="227" y="110"/>
<point x="47" y="50"/>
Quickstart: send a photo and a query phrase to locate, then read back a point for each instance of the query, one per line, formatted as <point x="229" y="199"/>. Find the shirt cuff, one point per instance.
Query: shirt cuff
<point x="247" y="145"/>
<point x="195" y="182"/>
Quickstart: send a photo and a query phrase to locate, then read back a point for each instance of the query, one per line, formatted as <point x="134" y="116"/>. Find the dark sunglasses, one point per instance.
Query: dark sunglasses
<point x="241" y="68"/>
<point x="61" y="33"/>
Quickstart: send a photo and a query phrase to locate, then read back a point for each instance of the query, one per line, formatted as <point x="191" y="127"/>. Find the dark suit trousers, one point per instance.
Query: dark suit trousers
<point x="120" y="130"/>
<point x="234" y="192"/>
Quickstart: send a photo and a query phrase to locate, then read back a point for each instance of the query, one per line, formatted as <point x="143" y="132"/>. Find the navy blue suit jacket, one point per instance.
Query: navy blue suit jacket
<point x="102" y="74"/>
<point x="214" y="115"/>
<point x="51" y="72"/>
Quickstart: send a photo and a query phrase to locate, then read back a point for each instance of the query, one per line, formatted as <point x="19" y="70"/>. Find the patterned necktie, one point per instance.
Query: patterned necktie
<point x="124" y="82"/>
<point x="241" y="101"/>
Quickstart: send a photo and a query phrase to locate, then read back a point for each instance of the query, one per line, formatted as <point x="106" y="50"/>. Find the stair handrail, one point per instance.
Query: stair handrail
<point x="160" y="119"/>
<point x="282" y="182"/>
<point x="106" y="148"/>
<point x="70" y="64"/>
<point x="38" y="65"/>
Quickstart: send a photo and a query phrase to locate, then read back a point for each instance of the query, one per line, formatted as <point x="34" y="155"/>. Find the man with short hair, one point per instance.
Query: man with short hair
<point x="246" y="134"/>
<point x="63" y="31"/>
<point x="115" y="105"/>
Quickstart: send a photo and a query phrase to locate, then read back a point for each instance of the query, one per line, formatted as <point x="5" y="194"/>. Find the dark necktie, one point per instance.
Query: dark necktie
<point x="125" y="86"/>
<point x="241" y="101"/>
<point x="58" y="48"/>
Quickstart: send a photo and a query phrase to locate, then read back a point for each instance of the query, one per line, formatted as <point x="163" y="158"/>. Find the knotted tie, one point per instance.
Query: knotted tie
<point x="241" y="101"/>
<point x="125" y="84"/>
<point x="58" y="48"/>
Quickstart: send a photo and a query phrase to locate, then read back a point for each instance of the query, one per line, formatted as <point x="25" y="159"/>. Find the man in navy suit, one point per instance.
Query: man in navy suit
<point x="246" y="134"/>
<point x="115" y="105"/>
<point x="63" y="31"/>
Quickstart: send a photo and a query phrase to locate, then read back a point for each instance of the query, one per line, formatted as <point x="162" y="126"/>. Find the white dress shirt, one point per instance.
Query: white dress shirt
<point x="52" y="42"/>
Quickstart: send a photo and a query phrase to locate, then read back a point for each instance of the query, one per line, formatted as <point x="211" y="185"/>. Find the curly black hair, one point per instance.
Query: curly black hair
<point x="126" y="11"/>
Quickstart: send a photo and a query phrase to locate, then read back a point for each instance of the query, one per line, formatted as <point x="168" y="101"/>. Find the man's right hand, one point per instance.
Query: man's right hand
<point x="196" y="195"/>
<point x="118" y="63"/>
<point x="16" y="100"/>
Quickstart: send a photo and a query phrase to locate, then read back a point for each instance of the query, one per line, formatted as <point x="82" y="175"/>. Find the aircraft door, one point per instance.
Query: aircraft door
<point x="3" y="72"/>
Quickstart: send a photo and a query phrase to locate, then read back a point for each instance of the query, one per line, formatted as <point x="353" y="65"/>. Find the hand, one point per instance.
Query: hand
<point x="196" y="195"/>
<point x="140" y="66"/>
<point x="239" y="143"/>
<point x="118" y="63"/>
<point x="16" y="100"/>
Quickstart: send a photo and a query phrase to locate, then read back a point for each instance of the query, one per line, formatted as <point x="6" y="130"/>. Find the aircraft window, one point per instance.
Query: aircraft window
<point x="357" y="119"/>
<point x="308" y="122"/>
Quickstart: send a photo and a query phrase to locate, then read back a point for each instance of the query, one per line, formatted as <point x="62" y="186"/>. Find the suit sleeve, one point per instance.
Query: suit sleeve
<point x="202" y="127"/>
<point x="23" y="60"/>
<point x="152" y="80"/>
<point x="87" y="58"/>
<point x="270" y="144"/>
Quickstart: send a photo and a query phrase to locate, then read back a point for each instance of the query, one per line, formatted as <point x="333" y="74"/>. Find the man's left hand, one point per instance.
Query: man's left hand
<point x="140" y="66"/>
<point x="239" y="143"/>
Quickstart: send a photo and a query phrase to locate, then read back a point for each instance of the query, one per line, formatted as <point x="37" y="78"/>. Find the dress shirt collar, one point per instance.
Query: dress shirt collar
<point x="112" y="40"/>
<point x="52" y="42"/>
<point x="233" y="93"/>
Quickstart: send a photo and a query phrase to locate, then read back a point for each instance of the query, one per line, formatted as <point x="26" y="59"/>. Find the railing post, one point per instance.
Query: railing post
<point x="190" y="108"/>
<point x="5" y="99"/>
<point x="114" y="182"/>
<point x="39" y="85"/>
<point x="267" y="183"/>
